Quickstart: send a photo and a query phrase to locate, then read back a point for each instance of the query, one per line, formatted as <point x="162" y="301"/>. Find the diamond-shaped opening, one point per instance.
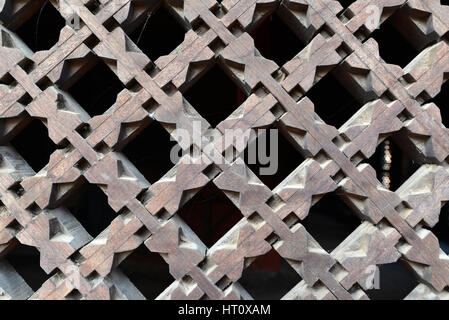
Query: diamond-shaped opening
<point x="210" y="214"/>
<point x="441" y="229"/>
<point x="333" y="102"/>
<point x="286" y="157"/>
<point x="34" y="145"/>
<point x="74" y="295"/>
<point x="8" y="80"/>
<point x="442" y="101"/>
<point x="41" y="31"/>
<point x="330" y="221"/>
<point x="215" y="96"/>
<point x="393" y="46"/>
<point x="96" y="91"/>
<point x="395" y="282"/>
<point x="158" y="35"/>
<point x="93" y="6"/>
<point x="346" y="3"/>
<point x="26" y="261"/>
<point x="89" y="205"/>
<point x="276" y="41"/>
<point x="147" y="271"/>
<point x="150" y="152"/>
<point x="392" y="164"/>
<point x="269" y="277"/>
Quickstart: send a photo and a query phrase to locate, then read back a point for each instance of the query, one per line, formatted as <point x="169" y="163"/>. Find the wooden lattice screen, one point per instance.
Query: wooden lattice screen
<point x="395" y="102"/>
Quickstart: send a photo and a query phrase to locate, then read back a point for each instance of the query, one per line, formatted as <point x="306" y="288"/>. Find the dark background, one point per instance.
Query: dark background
<point x="210" y="213"/>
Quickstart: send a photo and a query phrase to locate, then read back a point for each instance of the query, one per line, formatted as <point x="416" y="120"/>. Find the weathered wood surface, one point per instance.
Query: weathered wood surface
<point x="395" y="225"/>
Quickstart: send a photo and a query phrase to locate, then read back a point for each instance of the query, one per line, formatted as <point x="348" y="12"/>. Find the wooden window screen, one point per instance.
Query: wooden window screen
<point x="48" y="95"/>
